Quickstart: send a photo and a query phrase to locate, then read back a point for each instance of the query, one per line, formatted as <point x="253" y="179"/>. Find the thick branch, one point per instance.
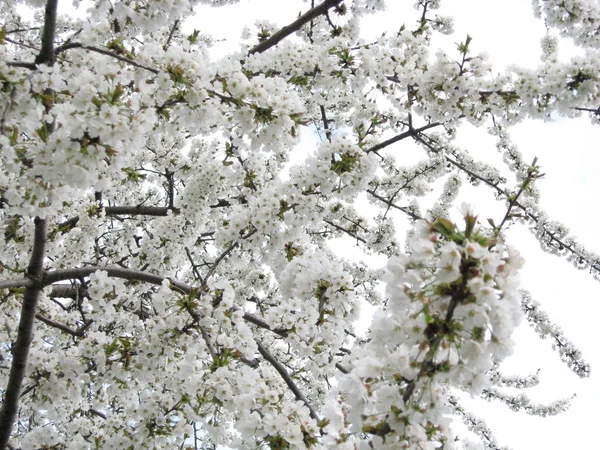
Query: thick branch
<point x="73" y="291"/>
<point x="95" y="412"/>
<point x="137" y="275"/>
<point x="127" y="274"/>
<point x="342" y="369"/>
<point x="117" y="272"/>
<point x="287" y="378"/>
<point x="23" y="282"/>
<point x="20" y="351"/>
<point x="25" y="65"/>
<point x="46" y="55"/>
<point x="294" y="26"/>
<point x="137" y="210"/>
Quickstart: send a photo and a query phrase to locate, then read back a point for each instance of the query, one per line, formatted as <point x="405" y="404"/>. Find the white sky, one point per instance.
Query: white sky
<point x="568" y="153"/>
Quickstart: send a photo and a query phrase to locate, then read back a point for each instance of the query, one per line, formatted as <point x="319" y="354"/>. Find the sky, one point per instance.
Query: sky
<point x="567" y="150"/>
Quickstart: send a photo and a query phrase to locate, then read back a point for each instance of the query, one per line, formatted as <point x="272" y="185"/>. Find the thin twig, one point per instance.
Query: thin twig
<point x="25" y="65"/>
<point x="224" y="254"/>
<point x="405" y="210"/>
<point x="171" y="34"/>
<point x="348" y="232"/>
<point x="194" y="267"/>
<point x="409" y="133"/>
<point x="294" y="26"/>
<point x="206" y="337"/>
<point x="221" y="257"/>
<point x="75" y="45"/>
<point x="76" y="333"/>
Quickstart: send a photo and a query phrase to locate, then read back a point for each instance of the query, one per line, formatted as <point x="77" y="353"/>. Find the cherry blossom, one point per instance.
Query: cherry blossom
<point x="172" y="218"/>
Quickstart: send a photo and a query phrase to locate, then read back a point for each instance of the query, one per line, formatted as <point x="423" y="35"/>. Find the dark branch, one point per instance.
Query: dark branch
<point x="206" y="337"/>
<point x="325" y="123"/>
<point x="98" y="413"/>
<point x="116" y="272"/>
<point x="410" y="132"/>
<point x="23" y="282"/>
<point x="20" y="351"/>
<point x="249" y="317"/>
<point x="72" y="45"/>
<point x="348" y="232"/>
<point x="127" y="274"/>
<point x="46" y="55"/>
<point x="342" y="369"/>
<point x="68" y="291"/>
<point x="155" y="211"/>
<point x="79" y="332"/>
<point x="138" y="210"/>
<point x="26" y="65"/>
<point x="171" y="34"/>
<point x="294" y="26"/>
<point x="287" y="378"/>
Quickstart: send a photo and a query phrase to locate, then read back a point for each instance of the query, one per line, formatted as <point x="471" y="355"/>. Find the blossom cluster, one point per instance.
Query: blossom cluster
<point x="452" y="306"/>
<point x="187" y="295"/>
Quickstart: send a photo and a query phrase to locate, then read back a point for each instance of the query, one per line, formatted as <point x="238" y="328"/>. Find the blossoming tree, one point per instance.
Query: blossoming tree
<point x="166" y="275"/>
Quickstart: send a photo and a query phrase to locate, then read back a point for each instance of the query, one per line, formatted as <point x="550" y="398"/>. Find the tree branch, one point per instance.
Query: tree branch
<point x="98" y="413"/>
<point x="51" y="323"/>
<point x="68" y="291"/>
<point x="155" y="211"/>
<point x="249" y="317"/>
<point x="410" y="132"/>
<point x="47" y="55"/>
<point x="116" y="272"/>
<point x="287" y="378"/>
<point x="25" y="65"/>
<point x="72" y="45"/>
<point x="348" y="232"/>
<point x="553" y="240"/>
<point x="138" y="210"/>
<point x="206" y="337"/>
<point x="294" y="26"/>
<point x="325" y="123"/>
<point x="23" y="282"/>
<point x="171" y="34"/>
<point x="20" y="351"/>
<point x="130" y="274"/>
<point x="393" y="205"/>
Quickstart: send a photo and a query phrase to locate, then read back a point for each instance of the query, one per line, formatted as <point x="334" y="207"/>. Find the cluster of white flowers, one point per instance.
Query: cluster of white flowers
<point x="198" y="302"/>
<point x="577" y="19"/>
<point x="452" y="306"/>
